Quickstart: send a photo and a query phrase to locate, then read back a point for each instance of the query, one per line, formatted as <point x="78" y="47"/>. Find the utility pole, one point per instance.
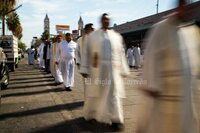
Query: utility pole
<point x="157" y="5"/>
<point x="3" y="19"/>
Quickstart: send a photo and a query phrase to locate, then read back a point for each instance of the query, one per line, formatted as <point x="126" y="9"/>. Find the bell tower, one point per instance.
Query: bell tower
<point x="46" y="24"/>
<point x="80" y="27"/>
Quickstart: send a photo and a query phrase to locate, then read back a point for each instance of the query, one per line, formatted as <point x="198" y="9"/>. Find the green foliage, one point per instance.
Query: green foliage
<point x="14" y="24"/>
<point x="22" y="45"/>
<point x="6" y="6"/>
<point x="37" y="43"/>
<point x="45" y="35"/>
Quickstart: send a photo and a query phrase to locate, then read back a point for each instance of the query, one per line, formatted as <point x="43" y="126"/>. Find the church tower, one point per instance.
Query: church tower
<point x="46" y="24"/>
<point x="80" y="26"/>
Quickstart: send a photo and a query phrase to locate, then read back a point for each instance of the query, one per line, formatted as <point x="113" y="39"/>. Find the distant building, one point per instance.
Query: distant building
<point x="80" y="27"/>
<point x="46" y="24"/>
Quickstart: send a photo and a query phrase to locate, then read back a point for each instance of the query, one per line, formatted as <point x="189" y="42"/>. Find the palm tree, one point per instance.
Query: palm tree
<point x="14" y="24"/>
<point x="5" y="7"/>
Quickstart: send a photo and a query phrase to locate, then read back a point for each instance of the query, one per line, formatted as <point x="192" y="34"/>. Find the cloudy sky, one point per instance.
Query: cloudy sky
<point x="68" y="12"/>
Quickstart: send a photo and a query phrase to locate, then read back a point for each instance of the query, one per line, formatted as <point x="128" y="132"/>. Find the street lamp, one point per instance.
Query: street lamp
<point x="3" y="18"/>
<point x="157" y="5"/>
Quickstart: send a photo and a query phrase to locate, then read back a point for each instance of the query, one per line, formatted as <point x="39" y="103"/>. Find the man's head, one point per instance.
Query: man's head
<point x="88" y="28"/>
<point x="181" y="9"/>
<point x="68" y="37"/>
<point x="59" y="38"/>
<point x="105" y="21"/>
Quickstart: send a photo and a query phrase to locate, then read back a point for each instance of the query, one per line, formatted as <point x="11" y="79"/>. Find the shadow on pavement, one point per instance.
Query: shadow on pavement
<point x="59" y="89"/>
<point x="22" y="74"/>
<point x="56" y="108"/>
<point x="31" y="86"/>
<point x="78" y="125"/>
<point x="29" y="78"/>
<point x="34" y="81"/>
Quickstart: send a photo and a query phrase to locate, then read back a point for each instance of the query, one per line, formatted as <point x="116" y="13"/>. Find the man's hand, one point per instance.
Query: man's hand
<point x="154" y="94"/>
<point x="85" y="75"/>
<point x="78" y="65"/>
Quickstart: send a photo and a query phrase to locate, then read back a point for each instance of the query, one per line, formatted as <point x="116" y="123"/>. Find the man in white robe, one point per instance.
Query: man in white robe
<point x="55" y="69"/>
<point x="40" y="52"/>
<point x="31" y="53"/>
<point x="136" y="53"/>
<point x="167" y="105"/>
<point x="66" y="60"/>
<point x="130" y="56"/>
<point x="79" y="51"/>
<point x="104" y="64"/>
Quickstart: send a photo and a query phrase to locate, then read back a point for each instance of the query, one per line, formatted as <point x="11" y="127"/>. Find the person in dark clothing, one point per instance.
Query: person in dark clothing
<point x="46" y="55"/>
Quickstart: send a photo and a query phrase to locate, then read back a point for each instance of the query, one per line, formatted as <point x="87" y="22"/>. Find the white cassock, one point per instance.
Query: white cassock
<point x="52" y="59"/>
<point x="136" y="54"/>
<point x="40" y="52"/>
<point x="167" y="70"/>
<point x="55" y="69"/>
<point x="79" y="54"/>
<point x="31" y="58"/>
<point x="65" y="56"/>
<point x="130" y="56"/>
<point x="79" y="50"/>
<point x="104" y="60"/>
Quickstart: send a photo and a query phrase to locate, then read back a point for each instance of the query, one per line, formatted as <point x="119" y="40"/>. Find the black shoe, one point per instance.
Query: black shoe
<point x="68" y="89"/>
<point x="118" y="126"/>
<point x="58" y="83"/>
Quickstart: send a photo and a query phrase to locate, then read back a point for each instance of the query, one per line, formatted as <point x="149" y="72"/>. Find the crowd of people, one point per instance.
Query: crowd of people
<point x="171" y="69"/>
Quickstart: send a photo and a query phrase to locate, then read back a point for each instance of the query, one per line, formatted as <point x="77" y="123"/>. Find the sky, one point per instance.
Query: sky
<point x="68" y="12"/>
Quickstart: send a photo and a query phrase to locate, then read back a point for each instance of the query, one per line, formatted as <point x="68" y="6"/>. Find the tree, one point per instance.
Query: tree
<point x="6" y="6"/>
<point x="6" y="10"/>
<point x="45" y="35"/>
<point x="14" y="24"/>
<point x="22" y="45"/>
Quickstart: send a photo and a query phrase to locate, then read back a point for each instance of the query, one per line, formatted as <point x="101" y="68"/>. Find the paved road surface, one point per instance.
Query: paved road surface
<point x="34" y="104"/>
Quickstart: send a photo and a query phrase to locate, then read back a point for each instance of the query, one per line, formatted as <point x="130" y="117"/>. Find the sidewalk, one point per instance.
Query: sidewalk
<point x="33" y="103"/>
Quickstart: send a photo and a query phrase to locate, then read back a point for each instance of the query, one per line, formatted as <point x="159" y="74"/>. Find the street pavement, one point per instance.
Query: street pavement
<point x="33" y="103"/>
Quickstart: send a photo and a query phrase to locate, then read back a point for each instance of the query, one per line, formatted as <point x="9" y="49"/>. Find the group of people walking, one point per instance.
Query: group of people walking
<point x="134" y="56"/>
<point x="171" y="72"/>
<point x="100" y="59"/>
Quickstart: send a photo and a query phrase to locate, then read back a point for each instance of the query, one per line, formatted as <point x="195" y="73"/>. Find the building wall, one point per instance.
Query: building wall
<point x="134" y="32"/>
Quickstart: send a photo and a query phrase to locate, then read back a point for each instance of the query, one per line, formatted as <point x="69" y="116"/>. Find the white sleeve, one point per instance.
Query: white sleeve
<point x="85" y="61"/>
<point x="78" y="56"/>
<point x="124" y="68"/>
<point x="58" y="53"/>
<point x="151" y="62"/>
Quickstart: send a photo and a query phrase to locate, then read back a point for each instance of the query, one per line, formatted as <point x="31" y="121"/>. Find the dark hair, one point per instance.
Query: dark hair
<point x="181" y="3"/>
<point x="103" y="15"/>
<point x="87" y="26"/>
<point x="68" y="34"/>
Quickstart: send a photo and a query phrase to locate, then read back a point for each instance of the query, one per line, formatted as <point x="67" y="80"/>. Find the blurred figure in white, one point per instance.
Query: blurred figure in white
<point x="130" y="56"/>
<point x="136" y="53"/>
<point x="66" y="59"/>
<point x="87" y="30"/>
<point x="79" y="51"/>
<point x="104" y="64"/>
<point x="40" y="52"/>
<point x="31" y="53"/>
<point x="55" y="68"/>
<point x="168" y="100"/>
